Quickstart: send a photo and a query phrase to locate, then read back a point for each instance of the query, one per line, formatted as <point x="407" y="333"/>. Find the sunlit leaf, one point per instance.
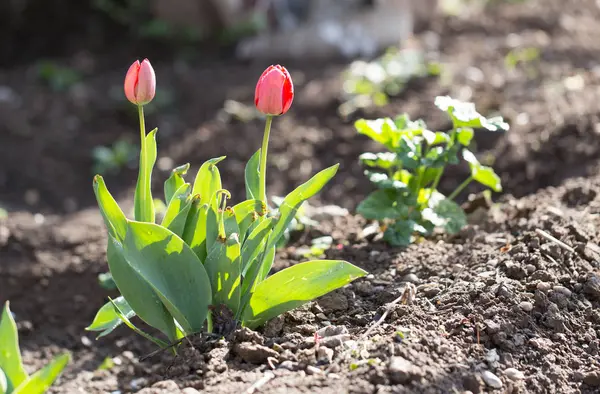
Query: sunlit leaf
<point x="208" y="182"/>
<point x="452" y="214"/>
<point x="255" y="243"/>
<point x="296" y="285"/>
<point x="385" y="160"/>
<point x="292" y="202"/>
<point x="379" y="130"/>
<point x="224" y="271"/>
<point x="482" y="174"/>
<point x="40" y="381"/>
<point x="113" y="216"/>
<point x="194" y="232"/>
<point x="182" y="284"/>
<point x="10" y="355"/>
<point x="177" y="211"/>
<point x="175" y="181"/>
<point x="143" y="202"/>
<point x="3" y="383"/>
<point x="139" y="294"/>
<point x="252" y="177"/>
<point x="464" y="135"/>
<point x="107" y="320"/>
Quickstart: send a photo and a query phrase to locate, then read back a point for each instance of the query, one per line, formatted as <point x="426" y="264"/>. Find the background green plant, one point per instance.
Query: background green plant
<point x="371" y="83"/>
<point x="407" y="200"/>
<point x="13" y="377"/>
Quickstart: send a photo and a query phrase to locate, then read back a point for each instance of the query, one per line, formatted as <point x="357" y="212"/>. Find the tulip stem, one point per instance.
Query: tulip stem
<point x="263" y="161"/>
<point x="142" y="176"/>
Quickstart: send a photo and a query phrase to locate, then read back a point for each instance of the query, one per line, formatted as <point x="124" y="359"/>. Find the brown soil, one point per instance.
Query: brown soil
<point x="498" y="304"/>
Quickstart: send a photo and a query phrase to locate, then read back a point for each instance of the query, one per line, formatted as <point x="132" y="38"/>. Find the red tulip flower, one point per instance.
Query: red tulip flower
<point x="274" y="91"/>
<point x="140" y="83"/>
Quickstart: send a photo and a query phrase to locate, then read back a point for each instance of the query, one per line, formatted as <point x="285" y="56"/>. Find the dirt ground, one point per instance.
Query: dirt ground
<point x="509" y="305"/>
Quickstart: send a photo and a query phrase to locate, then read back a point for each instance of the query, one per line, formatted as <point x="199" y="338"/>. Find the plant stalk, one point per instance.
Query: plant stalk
<point x="142" y="174"/>
<point x="460" y="188"/>
<point x="263" y="161"/>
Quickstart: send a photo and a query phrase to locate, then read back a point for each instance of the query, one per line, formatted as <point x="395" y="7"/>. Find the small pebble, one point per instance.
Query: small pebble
<point x="287" y="365"/>
<point x="321" y="316"/>
<point x="592" y="379"/>
<point x="411" y="278"/>
<point x="311" y="370"/>
<point x="526" y="306"/>
<point x="514" y="374"/>
<point x="530" y="269"/>
<point x="189" y="390"/>
<point x="491" y="380"/>
<point x="543" y="286"/>
<point x="562" y="290"/>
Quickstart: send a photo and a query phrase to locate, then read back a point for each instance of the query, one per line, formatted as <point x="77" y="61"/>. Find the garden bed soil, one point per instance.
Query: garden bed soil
<point x="510" y="304"/>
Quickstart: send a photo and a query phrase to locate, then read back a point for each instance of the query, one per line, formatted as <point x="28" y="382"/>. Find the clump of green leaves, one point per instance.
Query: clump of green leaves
<point x="204" y="265"/>
<point x="13" y="377"/>
<point x="371" y="83"/>
<point x="407" y="201"/>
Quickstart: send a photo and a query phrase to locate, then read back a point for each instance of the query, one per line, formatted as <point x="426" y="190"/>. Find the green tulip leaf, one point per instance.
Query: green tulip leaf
<point x="40" y="381"/>
<point x="223" y="269"/>
<point x="143" y="202"/>
<point x="3" y="383"/>
<point x="173" y="271"/>
<point x="194" y="232"/>
<point x="175" y="181"/>
<point x="295" y="286"/>
<point x="177" y="211"/>
<point x="113" y="216"/>
<point x="292" y="202"/>
<point x="208" y="182"/>
<point x="10" y="355"/>
<point x="107" y="319"/>
<point x="252" y="177"/>
<point x="124" y="319"/>
<point x="246" y="213"/>
<point x="255" y="242"/>
<point x="140" y="296"/>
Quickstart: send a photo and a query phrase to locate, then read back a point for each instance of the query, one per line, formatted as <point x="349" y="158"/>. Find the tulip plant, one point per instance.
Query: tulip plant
<point x="205" y="266"/>
<point x="407" y="201"/>
<point x="13" y="377"/>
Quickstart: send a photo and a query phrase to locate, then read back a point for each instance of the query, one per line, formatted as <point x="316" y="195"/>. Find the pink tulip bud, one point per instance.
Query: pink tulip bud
<point x="140" y="83"/>
<point x="274" y="91"/>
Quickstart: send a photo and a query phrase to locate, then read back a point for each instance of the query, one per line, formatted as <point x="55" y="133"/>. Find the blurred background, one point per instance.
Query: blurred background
<point x="64" y="117"/>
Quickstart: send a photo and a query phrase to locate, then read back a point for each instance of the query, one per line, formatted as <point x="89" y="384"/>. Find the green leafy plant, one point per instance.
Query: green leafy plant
<point x="372" y="83"/>
<point x="205" y="265"/>
<point x="113" y="159"/>
<point x="13" y="377"/>
<point x="407" y="201"/>
<point x="59" y="78"/>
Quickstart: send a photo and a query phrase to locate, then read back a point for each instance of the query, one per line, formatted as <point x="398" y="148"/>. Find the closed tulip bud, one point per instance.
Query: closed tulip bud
<point x="274" y="91"/>
<point x="140" y="83"/>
